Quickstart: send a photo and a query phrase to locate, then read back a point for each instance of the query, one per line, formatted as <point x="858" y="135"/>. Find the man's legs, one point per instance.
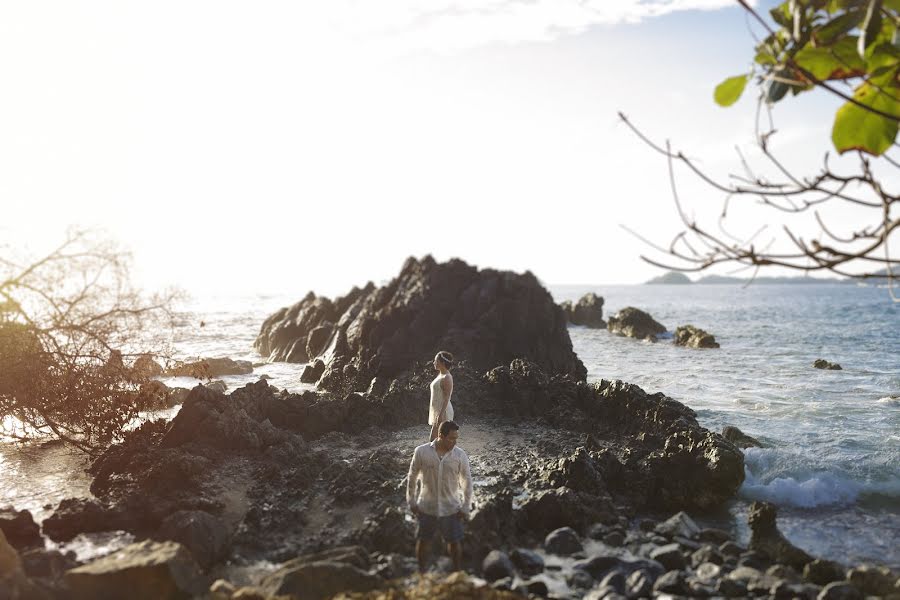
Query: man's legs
<point x="454" y="549"/>
<point x="423" y="549"/>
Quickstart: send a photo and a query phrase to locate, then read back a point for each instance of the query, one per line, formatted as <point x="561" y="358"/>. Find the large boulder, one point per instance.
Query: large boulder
<point x="739" y="438"/>
<point x="633" y="322"/>
<point x="209" y="368"/>
<point x="485" y="317"/>
<point x="321" y="576"/>
<point x="19" y="528"/>
<point x="205" y="535"/>
<point x="694" y="337"/>
<point x="765" y="537"/>
<point x="146" y="570"/>
<point x="588" y="311"/>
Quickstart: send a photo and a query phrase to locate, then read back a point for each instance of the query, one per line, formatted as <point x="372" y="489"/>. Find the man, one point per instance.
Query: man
<point x="444" y="499"/>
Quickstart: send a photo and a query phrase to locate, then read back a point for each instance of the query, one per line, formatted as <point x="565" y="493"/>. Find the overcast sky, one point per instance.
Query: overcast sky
<point x="281" y="146"/>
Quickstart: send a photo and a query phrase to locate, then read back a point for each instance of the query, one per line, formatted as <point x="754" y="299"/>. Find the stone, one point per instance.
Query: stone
<point x="669" y="556"/>
<point x="19" y="528"/>
<point x="588" y="311"/>
<point x="754" y="560"/>
<point x="536" y="587"/>
<point x="563" y="541"/>
<point x="206" y="536"/>
<point x="221" y="590"/>
<point x="706" y="554"/>
<point x="821" y="363"/>
<point x="209" y="368"/>
<point x="712" y="535"/>
<point x="528" y="562"/>
<point x="694" y="337"/>
<point x="49" y="564"/>
<point x="145" y="366"/>
<point x="10" y="562"/>
<point x="313" y="371"/>
<point x="318" y="339"/>
<point x="731" y="549"/>
<point x="580" y="579"/>
<point x="217" y="386"/>
<point x="872" y="580"/>
<point x="614" y="580"/>
<point x="784" y="572"/>
<point x="633" y="322"/>
<point x="614" y="539"/>
<point x="598" y="566"/>
<point x="739" y="439"/>
<point x="731" y="588"/>
<point x="671" y="582"/>
<point x="680" y="524"/>
<point x="707" y="572"/>
<point x="639" y="583"/>
<point x="839" y="590"/>
<point x="497" y="565"/>
<point x="318" y="580"/>
<point x="822" y="572"/>
<point x="765" y="537"/>
<point x="145" y="570"/>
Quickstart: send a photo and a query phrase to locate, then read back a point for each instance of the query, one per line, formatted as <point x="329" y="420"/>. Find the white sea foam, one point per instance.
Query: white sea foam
<point x="889" y="400"/>
<point x="803" y="488"/>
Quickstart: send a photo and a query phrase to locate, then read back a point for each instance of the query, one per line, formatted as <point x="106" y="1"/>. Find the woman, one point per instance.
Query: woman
<point x="439" y="408"/>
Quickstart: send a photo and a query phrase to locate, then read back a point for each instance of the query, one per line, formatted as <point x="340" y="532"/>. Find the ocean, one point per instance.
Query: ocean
<point x="832" y="456"/>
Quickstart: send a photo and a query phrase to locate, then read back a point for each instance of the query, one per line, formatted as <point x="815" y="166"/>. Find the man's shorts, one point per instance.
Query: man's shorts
<point x="451" y="527"/>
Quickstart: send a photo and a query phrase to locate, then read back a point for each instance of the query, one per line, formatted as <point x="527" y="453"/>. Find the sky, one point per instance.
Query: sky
<point x="281" y="146"/>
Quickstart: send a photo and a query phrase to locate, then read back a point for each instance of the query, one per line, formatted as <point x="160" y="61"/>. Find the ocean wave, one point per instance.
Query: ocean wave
<point x="817" y="489"/>
<point x="889" y="400"/>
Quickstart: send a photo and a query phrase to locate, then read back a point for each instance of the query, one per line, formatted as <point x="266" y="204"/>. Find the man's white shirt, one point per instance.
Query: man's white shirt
<point x="442" y="481"/>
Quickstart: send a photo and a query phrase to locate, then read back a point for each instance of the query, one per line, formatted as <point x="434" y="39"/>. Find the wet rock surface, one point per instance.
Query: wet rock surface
<point x="587" y="311"/>
<point x="635" y="323"/>
<point x="821" y="363"/>
<point x="694" y="337"/>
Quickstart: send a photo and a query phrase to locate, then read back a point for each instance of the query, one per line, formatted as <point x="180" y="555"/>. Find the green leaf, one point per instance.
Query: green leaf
<point x="840" y="25"/>
<point x="776" y="91"/>
<point x="881" y="56"/>
<point x="728" y="92"/>
<point x="839" y="61"/>
<point x="856" y="128"/>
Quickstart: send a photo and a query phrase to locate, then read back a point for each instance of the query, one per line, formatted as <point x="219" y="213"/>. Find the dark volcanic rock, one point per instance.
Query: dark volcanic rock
<point x="528" y="562"/>
<point x="497" y="565"/>
<point x="821" y="363"/>
<point x="19" y="528"/>
<point x="739" y="438"/>
<point x="312" y="371"/>
<point x="588" y="311"/>
<point x="312" y="579"/>
<point x="563" y="541"/>
<point x="484" y="317"/>
<point x="147" y="570"/>
<point x="694" y="337"/>
<point x="209" y="368"/>
<point x="823" y="572"/>
<point x="633" y="322"/>
<point x="766" y="538"/>
<point x="203" y="534"/>
<point x="81" y="515"/>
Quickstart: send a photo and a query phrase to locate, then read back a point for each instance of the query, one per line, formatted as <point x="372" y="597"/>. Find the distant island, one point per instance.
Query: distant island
<point x="675" y="277"/>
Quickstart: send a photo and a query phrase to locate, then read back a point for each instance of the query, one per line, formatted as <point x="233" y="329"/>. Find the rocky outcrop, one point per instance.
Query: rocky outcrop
<point x="821" y="363"/>
<point x="633" y="322"/>
<point x="588" y="311"/>
<point x="739" y="438"/>
<point x="19" y="528"/>
<point x="209" y="368"/>
<point x="694" y="337"/>
<point x="204" y="535"/>
<point x="484" y="317"/>
<point x="146" y="570"/>
<point x="765" y="537"/>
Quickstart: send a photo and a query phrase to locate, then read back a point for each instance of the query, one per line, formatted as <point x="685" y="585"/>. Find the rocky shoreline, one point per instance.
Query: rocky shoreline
<point x="263" y="493"/>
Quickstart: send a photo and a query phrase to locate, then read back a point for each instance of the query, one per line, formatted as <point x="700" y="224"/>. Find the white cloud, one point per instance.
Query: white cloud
<point x="453" y="25"/>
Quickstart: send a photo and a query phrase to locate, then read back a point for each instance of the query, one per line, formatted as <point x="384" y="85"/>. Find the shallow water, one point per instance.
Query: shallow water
<point x="832" y="464"/>
<point x="832" y="461"/>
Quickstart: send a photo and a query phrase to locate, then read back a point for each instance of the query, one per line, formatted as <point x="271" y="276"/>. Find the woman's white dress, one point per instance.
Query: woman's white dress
<point x="437" y="400"/>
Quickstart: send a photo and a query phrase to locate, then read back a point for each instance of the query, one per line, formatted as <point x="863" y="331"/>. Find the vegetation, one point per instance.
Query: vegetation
<point x="70" y="324"/>
<point x="849" y="49"/>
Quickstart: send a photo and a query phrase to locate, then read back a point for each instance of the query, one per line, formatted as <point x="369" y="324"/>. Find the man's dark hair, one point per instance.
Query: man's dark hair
<point x="448" y="426"/>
